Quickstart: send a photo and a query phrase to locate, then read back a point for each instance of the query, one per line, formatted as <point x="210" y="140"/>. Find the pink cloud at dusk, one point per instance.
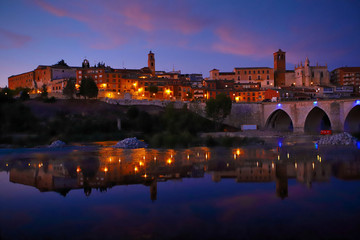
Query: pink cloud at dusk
<point x="248" y="44"/>
<point x="120" y="22"/>
<point x="9" y="40"/>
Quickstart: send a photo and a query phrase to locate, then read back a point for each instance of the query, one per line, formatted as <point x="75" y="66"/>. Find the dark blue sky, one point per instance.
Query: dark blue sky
<point x="194" y="36"/>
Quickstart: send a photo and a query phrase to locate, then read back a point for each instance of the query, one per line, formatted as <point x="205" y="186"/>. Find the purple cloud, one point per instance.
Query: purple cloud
<point x="9" y="40"/>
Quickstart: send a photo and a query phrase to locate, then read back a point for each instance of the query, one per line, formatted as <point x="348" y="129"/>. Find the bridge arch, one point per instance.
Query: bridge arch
<point x="279" y="120"/>
<point x="352" y="121"/>
<point x="317" y="120"/>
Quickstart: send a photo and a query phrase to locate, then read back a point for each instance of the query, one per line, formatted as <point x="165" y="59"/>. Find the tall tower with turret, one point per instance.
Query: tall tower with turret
<point x="151" y="63"/>
<point x="279" y="68"/>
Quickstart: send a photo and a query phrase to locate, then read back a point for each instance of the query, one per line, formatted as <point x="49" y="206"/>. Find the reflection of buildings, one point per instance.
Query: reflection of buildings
<point x="113" y="167"/>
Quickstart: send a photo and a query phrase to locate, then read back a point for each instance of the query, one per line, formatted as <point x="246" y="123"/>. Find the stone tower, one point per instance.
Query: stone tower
<point x="151" y="63"/>
<point x="279" y="68"/>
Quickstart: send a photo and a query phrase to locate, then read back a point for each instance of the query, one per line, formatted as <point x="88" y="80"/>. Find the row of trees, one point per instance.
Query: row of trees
<point x="88" y="88"/>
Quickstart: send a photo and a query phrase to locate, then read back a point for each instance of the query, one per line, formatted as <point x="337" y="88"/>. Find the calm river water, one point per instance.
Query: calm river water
<point x="98" y="192"/>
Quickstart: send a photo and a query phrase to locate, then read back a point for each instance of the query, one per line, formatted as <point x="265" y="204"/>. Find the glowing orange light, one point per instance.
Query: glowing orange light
<point x="295" y="165"/>
<point x="238" y="152"/>
<point x="169" y="161"/>
<point x="78" y="169"/>
<point x="141" y="163"/>
<point x="136" y="169"/>
<point x="106" y="169"/>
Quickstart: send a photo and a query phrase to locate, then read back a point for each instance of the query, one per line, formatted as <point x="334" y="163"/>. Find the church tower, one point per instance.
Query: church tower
<point x="279" y="68"/>
<point x="151" y="63"/>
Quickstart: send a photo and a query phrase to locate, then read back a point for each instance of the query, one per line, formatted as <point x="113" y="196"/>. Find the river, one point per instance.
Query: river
<point x="99" y="192"/>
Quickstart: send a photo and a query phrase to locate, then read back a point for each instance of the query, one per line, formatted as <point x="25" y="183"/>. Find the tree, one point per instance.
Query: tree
<point x="153" y="90"/>
<point x="188" y="95"/>
<point x="61" y="63"/>
<point x="6" y="95"/>
<point x="24" y="95"/>
<point x="88" y="88"/>
<point x="218" y="109"/>
<point x="70" y="89"/>
<point x="44" y="92"/>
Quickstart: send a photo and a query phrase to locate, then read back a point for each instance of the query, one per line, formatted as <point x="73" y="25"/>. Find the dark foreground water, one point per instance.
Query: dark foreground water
<point x="198" y="193"/>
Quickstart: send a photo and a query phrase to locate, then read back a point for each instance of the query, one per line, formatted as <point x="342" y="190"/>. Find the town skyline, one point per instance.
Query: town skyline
<point x="184" y="35"/>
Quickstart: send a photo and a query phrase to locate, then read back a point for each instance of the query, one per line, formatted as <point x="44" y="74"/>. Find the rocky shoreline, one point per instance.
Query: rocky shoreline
<point x="130" y="143"/>
<point x="337" y="139"/>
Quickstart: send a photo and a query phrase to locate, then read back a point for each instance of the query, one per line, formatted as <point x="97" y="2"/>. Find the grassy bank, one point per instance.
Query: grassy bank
<point x="35" y="122"/>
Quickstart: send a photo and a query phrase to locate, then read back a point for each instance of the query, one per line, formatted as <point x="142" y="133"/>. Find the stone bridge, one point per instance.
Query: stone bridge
<point x="301" y="116"/>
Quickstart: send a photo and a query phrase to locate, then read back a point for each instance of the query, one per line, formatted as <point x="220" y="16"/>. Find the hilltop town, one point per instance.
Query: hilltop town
<point x="243" y="84"/>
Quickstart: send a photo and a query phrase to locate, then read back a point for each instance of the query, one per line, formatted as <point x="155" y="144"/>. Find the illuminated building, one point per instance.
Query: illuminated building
<point x="310" y="75"/>
<point x="347" y="76"/>
<point x="262" y="75"/>
<point x="51" y="76"/>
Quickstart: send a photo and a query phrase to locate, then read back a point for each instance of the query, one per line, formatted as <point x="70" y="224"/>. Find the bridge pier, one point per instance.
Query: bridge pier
<point x="298" y="129"/>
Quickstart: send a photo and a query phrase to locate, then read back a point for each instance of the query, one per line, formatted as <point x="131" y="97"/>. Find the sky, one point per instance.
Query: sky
<point x="193" y="36"/>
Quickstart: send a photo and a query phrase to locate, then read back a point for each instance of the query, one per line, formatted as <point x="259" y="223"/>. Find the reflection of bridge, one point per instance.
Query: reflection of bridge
<point x="304" y="116"/>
